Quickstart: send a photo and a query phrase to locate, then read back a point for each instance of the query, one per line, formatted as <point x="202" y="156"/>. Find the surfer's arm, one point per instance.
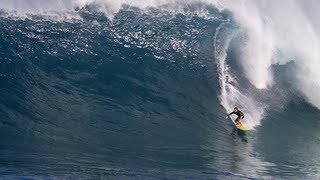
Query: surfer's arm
<point x="229" y="114"/>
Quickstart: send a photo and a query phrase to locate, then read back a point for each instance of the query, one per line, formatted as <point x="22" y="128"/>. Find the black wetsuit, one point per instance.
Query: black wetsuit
<point x="239" y="114"/>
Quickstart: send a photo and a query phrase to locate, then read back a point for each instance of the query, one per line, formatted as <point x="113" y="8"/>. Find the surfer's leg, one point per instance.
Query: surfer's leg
<point x="237" y="121"/>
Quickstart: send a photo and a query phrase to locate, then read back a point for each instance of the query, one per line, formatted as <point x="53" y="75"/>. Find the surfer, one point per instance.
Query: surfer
<point x="237" y="112"/>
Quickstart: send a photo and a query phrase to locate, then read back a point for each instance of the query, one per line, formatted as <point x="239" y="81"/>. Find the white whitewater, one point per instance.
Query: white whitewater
<point x="230" y="95"/>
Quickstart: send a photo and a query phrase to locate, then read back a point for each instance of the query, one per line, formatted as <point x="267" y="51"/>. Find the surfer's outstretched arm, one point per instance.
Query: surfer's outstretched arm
<point x="229" y="114"/>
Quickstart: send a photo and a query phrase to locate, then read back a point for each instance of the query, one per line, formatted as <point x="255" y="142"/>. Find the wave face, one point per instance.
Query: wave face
<point x="100" y="89"/>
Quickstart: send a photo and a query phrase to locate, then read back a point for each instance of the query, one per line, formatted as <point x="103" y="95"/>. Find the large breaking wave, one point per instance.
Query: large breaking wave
<point x="143" y="60"/>
<point x="271" y="33"/>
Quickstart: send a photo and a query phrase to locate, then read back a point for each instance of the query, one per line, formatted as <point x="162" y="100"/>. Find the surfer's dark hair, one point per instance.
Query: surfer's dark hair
<point x="236" y="108"/>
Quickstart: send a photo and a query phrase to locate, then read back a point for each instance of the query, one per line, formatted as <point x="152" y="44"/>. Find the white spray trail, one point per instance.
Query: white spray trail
<point x="230" y="95"/>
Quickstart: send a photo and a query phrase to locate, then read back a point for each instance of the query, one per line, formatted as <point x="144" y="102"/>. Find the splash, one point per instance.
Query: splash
<point x="288" y="27"/>
<point x="230" y="95"/>
<point x="271" y="28"/>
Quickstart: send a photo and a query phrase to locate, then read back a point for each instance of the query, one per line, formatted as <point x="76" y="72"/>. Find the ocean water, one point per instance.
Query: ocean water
<point x="96" y="89"/>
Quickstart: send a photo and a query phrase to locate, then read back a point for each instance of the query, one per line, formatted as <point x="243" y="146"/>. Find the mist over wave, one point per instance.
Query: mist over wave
<point x="280" y="32"/>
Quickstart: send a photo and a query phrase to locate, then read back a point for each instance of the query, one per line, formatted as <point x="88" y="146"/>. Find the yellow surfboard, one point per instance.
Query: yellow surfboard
<point x="242" y="126"/>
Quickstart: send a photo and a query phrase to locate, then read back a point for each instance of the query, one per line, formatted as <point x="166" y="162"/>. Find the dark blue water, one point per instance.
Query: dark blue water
<point x="137" y="97"/>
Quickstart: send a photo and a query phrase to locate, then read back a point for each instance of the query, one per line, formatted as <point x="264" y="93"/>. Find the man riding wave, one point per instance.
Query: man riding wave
<point x="240" y="115"/>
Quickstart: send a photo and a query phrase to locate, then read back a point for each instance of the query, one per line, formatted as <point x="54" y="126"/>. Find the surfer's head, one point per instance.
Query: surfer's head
<point x="235" y="109"/>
